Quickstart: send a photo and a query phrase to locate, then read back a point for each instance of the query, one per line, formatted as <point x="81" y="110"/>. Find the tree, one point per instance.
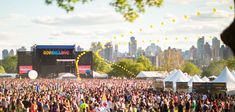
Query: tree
<point x="146" y="62"/>
<point x="214" y="68"/>
<point x="99" y="64"/>
<point x="130" y="9"/>
<point x="121" y="68"/>
<point x="10" y="64"/>
<point x="2" y="70"/>
<point x="191" y="69"/>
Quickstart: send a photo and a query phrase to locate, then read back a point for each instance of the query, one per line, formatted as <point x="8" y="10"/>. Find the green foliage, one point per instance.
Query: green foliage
<point x="10" y="64"/>
<point x="117" y="71"/>
<point x="2" y="70"/>
<point x="134" y="67"/>
<point x="146" y="62"/>
<point x="130" y="9"/>
<point x="191" y="69"/>
<point x="99" y="64"/>
<point x="214" y="68"/>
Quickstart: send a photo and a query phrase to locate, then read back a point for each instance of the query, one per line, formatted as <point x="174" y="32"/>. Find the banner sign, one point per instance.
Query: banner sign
<point x="168" y="84"/>
<point x="83" y="68"/>
<point x="25" y="69"/>
<point x="64" y="52"/>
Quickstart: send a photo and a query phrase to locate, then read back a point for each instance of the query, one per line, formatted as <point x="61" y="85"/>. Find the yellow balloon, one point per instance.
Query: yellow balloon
<point x="162" y="23"/>
<point x="186" y="17"/>
<point x="114" y="37"/>
<point x="130" y="42"/>
<point x="131" y="32"/>
<point x="214" y="10"/>
<point x="185" y="38"/>
<point x="141" y="29"/>
<point x="231" y="7"/>
<point x="151" y="26"/>
<point x="176" y="38"/>
<point x="198" y="13"/>
<point x="173" y="20"/>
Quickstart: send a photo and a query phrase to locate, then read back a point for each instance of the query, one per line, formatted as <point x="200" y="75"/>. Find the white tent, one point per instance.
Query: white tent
<point x="179" y="76"/>
<point x="205" y="79"/>
<point x="195" y="78"/>
<point x="149" y="74"/>
<point x="170" y="74"/>
<point x="66" y="76"/>
<point x="198" y="78"/>
<point x="226" y="76"/>
<point x="98" y="75"/>
<point x="233" y="72"/>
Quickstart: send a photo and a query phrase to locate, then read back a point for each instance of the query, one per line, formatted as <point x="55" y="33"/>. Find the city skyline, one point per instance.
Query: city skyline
<point x="44" y="25"/>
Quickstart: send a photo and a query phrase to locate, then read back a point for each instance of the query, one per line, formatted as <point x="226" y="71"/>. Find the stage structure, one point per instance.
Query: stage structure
<point x="51" y="60"/>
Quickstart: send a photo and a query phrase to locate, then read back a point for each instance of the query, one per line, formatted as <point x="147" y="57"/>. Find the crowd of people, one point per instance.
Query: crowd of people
<point x="103" y="95"/>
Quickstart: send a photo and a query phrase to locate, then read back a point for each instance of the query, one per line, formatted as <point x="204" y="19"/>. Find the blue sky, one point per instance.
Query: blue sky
<point x="29" y="22"/>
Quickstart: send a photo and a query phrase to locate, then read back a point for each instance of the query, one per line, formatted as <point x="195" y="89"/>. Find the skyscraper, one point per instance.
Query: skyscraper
<point x="115" y="54"/>
<point x="79" y="48"/>
<point x="108" y="51"/>
<point x="133" y="47"/>
<point x="207" y="54"/>
<point x="4" y="53"/>
<point x="193" y="53"/>
<point x="152" y="50"/>
<point x="215" y="49"/>
<point x="200" y="51"/>
<point x="22" y="49"/>
<point x="11" y="53"/>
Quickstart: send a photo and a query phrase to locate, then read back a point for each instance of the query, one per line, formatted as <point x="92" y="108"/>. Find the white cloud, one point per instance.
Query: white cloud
<point x="184" y="2"/>
<point x="80" y="19"/>
<point x="210" y="16"/>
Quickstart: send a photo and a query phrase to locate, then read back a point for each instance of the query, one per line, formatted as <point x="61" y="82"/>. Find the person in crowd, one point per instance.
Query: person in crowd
<point x="103" y="95"/>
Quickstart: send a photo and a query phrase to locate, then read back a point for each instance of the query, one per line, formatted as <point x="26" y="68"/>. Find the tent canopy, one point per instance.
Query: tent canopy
<point x="195" y="78"/>
<point x="179" y="76"/>
<point x="226" y="76"/>
<point x="205" y="79"/>
<point x="150" y="74"/>
<point x="170" y="75"/>
<point x="66" y="76"/>
<point x="99" y="75"/>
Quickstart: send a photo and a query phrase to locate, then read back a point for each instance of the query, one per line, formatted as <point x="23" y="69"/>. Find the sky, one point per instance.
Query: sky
<point x="29" y="22"/>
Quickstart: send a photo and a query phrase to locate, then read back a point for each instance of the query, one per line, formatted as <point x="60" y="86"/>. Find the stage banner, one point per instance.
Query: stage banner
<point x="83" y="68"/>
<point x="24" y="69"/>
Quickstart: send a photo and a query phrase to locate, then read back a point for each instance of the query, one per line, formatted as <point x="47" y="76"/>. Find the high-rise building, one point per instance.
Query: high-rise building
<point x="11" y="53"/>
<point x="152" y="50"/>
<point x="215" y="49"/>
<point x="4" y="53"/>
<point x="115" y="54"/>
<point x="154" y="60"/>
<point x="108" y="51"/>
<point x="193" y="53"/>
<point x="225" y="52"/>
<point x="140" y="51"/>
<point x="97" y="46"/>
<point x="207" y="54"/>
<point x="200" y="51"/>
<point x="133" y="47"/>
<point x="186" y="55"/>
<point x="22" y="49"/>
<point x="79" y="48"/>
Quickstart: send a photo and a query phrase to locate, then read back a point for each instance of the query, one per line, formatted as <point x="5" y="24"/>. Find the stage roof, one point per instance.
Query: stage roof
<point x="55" y="47"/>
